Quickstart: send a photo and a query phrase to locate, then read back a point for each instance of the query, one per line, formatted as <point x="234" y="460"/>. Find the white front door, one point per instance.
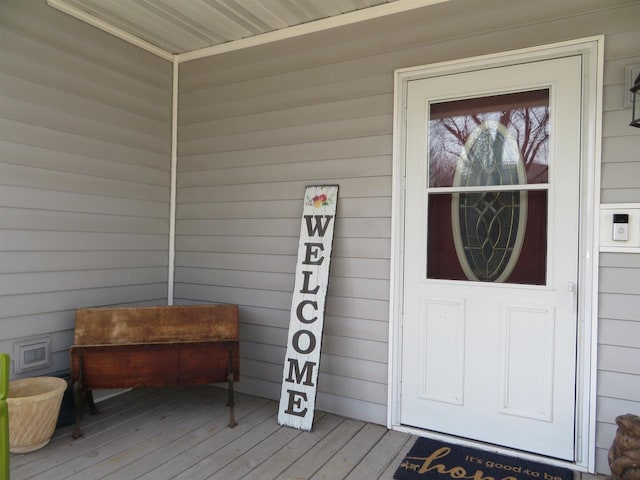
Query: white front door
<point x="491" y="255"/>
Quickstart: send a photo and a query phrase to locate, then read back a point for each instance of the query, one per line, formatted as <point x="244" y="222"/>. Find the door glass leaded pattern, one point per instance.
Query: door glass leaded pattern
<point x="495" y="233"/>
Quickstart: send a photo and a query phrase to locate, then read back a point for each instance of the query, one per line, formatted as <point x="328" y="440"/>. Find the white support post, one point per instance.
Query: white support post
<point x="174" y="173"/>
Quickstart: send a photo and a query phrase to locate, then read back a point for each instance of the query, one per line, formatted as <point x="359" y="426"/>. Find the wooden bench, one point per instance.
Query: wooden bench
<point x="132" y="347"/>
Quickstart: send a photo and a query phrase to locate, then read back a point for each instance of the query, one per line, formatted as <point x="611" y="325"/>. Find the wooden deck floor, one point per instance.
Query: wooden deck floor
<point x="182" y="433"/>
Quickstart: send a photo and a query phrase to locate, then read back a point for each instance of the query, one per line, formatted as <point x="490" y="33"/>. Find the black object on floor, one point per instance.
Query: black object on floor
<point x="436" y="460"/>
<point x="67" y="414"/>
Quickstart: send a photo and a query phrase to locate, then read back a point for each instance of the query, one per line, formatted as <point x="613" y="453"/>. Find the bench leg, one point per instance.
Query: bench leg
<point x="231" y="401"/>
<point x="232" y="418"/>
<point x="78" y="407"/>
<point x="80" y="397"/>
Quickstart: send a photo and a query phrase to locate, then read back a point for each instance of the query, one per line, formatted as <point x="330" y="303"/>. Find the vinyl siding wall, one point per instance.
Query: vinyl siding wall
<point x="256" y="126"/>
<point x="619" y="315"/>
<point x="84" y="174"/>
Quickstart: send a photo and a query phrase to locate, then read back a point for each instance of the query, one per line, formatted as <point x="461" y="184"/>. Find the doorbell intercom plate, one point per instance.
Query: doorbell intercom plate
<point x="621" y="227"/>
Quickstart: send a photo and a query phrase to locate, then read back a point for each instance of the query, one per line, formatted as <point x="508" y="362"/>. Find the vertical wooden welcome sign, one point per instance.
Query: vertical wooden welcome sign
<point x="299" y="383"/>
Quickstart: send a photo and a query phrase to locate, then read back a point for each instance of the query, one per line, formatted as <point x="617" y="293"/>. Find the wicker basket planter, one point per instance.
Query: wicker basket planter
<point x="34" y="405"/>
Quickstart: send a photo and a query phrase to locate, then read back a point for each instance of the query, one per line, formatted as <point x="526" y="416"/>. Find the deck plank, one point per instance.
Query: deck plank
<point x="379" y="457"/>
<point x="68" y="450"/>
<point x="173" y="443"/>
<point x="120" y="439"/>
<point x="211" y="442"/>
<point x="314" y="459"/>
<point x="395" y="462"/>
<point x="225" y="455"/>
<point x="258" y="455"/>
<point x="108" y="409"/>
<point x="119" y="463"/>
<point x="296" y="448"/>
<point x="183" y="433"/>
<point x="346" y="459"/>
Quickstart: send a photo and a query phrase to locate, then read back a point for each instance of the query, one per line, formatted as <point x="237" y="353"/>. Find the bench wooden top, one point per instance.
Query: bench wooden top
<point x="174" y="324"/>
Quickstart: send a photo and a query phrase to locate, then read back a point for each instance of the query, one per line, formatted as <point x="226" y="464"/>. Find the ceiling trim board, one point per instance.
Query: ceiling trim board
<point x="107" y="27"/>
<point x="261" y="39"/>
<point x="306" y="28"/>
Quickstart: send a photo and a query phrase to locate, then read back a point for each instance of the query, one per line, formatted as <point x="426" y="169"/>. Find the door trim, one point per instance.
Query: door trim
<point x="591" y="51"/>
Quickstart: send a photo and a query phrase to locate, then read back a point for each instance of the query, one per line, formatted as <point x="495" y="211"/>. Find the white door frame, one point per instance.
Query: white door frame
<point x="591" y="50"/>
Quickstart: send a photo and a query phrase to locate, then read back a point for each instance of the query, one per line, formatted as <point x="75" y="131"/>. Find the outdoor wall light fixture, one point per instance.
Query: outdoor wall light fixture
<point x="635" y="110"/>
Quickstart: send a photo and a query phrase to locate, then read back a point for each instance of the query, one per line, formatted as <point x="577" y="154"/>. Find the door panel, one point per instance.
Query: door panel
<point x="525" y="385"/>
<point x="442" y="360"/>
<point x="490" y="255"/>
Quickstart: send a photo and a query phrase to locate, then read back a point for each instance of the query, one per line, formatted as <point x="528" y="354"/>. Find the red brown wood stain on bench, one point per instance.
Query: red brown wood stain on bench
<point x="153" y="347"/>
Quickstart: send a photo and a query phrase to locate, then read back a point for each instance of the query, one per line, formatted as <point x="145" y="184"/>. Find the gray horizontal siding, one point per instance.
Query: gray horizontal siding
<point x="310" y="151"/>
<point x="620" y="143"/>
<point x="190" y="246"/>
<point x="71" y="149"/>
<point x="358" y="187"/>
<point x="618" y="342"/>
<point x="237" y="234"/>
<point x="84" y="175"/>
<point x="259" y="124"/>
<point x="619" y="324"/>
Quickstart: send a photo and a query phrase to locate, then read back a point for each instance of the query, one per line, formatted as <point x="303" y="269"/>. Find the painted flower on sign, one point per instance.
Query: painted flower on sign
<point x="319" y="200"/>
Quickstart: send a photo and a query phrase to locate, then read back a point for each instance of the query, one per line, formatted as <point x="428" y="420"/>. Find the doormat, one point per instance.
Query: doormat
<point x="435" y="460"/>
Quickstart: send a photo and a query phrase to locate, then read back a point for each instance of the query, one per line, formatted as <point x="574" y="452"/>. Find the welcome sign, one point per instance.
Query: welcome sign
<point x="300" y="375"/>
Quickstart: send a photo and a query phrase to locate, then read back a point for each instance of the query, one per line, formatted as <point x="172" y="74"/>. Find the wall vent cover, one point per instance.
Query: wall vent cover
<point x="31" y="354"/>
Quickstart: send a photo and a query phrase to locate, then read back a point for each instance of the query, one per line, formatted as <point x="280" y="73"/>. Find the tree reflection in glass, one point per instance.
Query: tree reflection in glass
<point x="496" y="234"/>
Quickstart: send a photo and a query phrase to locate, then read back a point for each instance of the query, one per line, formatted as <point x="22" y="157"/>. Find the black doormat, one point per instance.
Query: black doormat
<point x="435" y="460"/>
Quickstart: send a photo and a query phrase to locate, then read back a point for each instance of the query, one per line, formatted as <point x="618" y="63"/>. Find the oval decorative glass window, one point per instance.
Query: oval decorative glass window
<point x="488" y="226"/>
